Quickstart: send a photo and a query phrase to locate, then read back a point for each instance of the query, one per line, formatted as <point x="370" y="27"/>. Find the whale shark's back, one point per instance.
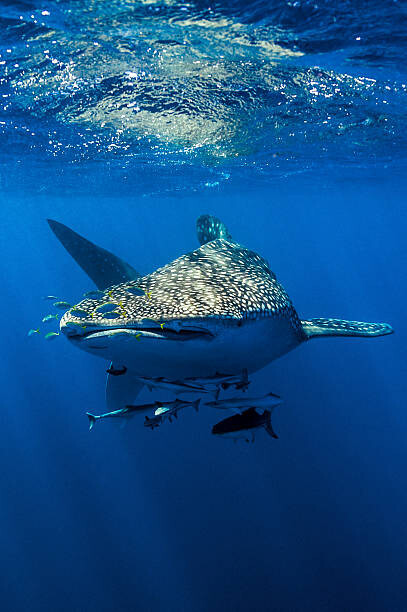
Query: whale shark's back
<point x="220" y="279"/>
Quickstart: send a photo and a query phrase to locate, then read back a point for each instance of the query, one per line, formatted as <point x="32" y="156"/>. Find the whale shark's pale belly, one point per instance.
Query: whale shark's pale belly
<point x="233" y="349"/>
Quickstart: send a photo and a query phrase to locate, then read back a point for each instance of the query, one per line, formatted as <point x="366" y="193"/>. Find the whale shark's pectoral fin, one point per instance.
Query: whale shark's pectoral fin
<point x="211" y="228"/>
<point x="121" y="391"/>
<point x="338" y="327"/>
<point x="104" y="268"/>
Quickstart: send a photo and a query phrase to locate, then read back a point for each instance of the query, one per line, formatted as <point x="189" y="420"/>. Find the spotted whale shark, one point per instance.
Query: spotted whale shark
<point x="219" y="308"/>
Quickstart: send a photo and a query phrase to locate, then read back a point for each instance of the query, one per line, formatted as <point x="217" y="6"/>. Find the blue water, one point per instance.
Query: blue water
<point x="127" y="120"/>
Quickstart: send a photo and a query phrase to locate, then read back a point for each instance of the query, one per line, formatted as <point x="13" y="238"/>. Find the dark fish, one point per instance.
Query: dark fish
<point x="116" y="372"/>
<point x="238" y="425"/>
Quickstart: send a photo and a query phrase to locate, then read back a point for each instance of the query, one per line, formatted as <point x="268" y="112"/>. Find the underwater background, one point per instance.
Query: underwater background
<point x="126" y="120"/>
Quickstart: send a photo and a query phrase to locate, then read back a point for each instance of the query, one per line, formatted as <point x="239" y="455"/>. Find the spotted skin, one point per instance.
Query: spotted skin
<point x="211" y="228"/>
<point x="339" y="327"/>
<point x="221" y="280"/>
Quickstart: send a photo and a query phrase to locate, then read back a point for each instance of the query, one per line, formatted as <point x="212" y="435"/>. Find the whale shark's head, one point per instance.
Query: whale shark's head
<point x="207" y="311"/>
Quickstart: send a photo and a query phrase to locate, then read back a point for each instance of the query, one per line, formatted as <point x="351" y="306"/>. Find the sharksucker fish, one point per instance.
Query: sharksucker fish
<point x="218" y="307"/>
<point x="239" y="404"/>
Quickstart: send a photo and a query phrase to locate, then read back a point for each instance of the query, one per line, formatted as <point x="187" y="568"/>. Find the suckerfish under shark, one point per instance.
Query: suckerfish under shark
<point x="161" y="409"/>
<point x="218" y="308"/>
<point x="239" y="404"/>
<point x="174" y="386"/>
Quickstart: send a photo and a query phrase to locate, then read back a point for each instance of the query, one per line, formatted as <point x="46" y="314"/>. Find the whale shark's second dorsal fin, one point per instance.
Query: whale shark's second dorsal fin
<point x="104" y="268"/>
<point x="211" y="228"/>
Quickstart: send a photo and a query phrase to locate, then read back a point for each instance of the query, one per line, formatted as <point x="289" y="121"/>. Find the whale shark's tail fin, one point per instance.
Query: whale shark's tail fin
<point x="104" y="268"/>
<point x="211" y="228"/>
<point x="339" y="327"/>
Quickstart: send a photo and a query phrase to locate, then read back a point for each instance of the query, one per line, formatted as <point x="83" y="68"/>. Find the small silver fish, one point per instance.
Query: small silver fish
<point x="33" y="331"/>
<point x="75" y="324"/>
<point x="49" y="297"/>
<point x="50" y="317"/>
<point x="62" y="305"/>
<point x="51" y="335"/>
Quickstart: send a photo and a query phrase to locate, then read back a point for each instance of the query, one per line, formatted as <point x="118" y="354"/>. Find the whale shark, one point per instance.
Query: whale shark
<point x="219" y="308"/>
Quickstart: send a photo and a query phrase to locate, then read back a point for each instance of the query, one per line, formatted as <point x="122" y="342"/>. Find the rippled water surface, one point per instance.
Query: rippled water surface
<point x="275" y="87"/>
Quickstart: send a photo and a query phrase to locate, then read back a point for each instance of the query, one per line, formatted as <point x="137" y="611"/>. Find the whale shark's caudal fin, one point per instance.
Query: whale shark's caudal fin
<point x="338" y="327"/>
<point x="211" y="228"/>
<point x="104" y="268"/>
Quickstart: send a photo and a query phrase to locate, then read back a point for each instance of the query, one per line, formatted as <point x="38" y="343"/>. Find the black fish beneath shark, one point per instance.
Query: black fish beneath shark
<point x="249" y="420"/>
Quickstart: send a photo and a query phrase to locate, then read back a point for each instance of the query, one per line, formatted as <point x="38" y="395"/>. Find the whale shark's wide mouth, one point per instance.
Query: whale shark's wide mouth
<point x="165" y="333"/>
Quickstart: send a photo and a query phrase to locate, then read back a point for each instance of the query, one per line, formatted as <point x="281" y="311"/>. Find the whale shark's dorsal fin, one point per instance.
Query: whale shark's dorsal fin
<point x="104" y="268"/>
<point x="210" y="228"/>
<point x="339" y="327"/>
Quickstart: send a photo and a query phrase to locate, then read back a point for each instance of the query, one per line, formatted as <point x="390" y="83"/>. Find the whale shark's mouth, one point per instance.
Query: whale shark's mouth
<point x="165" y="333"/>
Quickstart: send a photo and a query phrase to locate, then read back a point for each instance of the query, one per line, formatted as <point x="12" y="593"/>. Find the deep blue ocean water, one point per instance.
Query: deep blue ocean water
<point x="126" y="120"/>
